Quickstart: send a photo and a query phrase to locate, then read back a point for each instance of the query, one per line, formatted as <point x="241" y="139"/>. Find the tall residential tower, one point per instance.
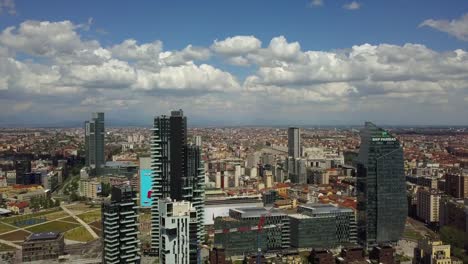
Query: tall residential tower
<point x="120" y="227"/>
<point x="381" y="192"/>
<point x="94" y="142"/>
<point x="178" y="173"/>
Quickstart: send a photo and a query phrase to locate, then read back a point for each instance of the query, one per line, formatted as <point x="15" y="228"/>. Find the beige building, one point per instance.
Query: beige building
<point x="432" y="252"/>
<point x="90" y="188"/>
<point x="428" y="205"/>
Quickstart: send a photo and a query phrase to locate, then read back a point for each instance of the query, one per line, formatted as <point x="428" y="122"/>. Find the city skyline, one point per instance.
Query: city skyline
<point x="287" y="64"/>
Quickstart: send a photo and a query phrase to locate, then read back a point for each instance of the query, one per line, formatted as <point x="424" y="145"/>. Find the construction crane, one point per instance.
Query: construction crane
<point x="260" y="227"/>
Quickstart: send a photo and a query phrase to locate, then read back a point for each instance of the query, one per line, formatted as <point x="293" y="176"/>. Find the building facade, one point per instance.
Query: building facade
<point x="428" y="203"/>
<point x="177" y="173"/>
<point x="322" y="226"/>
<point x="43" y="246"/>
<point x="294" y="142"/>
<point x="175" y="231"/>
<point x="94" y="143"/>
<point x="238" y="233"/>
<point x="381" y="188"/>
<point x="432" y="252"/>
<point x="120" y="227"/>
<point x="456" y="185"/>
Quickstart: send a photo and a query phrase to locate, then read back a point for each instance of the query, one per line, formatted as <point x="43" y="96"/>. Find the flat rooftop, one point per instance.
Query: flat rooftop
<point x="43" y="236"/>
<point x="257" y="212"/>
<point x="317" y="208"/>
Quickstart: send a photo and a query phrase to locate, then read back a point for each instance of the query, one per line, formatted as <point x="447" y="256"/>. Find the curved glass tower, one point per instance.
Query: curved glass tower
<point x="381" y="191"/>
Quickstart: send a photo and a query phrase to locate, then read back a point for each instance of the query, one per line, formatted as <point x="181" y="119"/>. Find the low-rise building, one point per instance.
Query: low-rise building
<point x="431" y="252"/>
<point x="42" y="246"/>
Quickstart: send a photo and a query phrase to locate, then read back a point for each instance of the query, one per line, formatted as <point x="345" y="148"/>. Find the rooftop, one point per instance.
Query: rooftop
<point x="257" y="212"/>
<point x="43" y="236"/>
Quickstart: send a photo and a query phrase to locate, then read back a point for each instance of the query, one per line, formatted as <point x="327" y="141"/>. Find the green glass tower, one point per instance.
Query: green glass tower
<point x="381" y="193"/>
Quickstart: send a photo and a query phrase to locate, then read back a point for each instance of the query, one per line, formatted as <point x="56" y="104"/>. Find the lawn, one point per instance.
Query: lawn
<point x="56" y="215"/>
<point x="55" y="226"/>
<point x="69" y="219"/>
<point x="4" y="247"/>
<point x="79" y="208"/>
<point x="15" y="236"/>
<point x="91" y="216"/>
<point x="11" y="219"/>
<point x="79" y="234"/>
<point x="5" y="228"/>
<point x="411" y="234"/>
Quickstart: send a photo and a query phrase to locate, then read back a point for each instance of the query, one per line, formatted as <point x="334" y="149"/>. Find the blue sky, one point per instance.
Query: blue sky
<point x="267" y="86"/>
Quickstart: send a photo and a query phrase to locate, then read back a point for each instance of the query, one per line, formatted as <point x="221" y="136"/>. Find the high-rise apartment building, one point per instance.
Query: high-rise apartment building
<point x="94" y="142"/>
<point x="427" y="207"/>
<point x="175" y="218"/>
<point x="177" y="173"/>
<point x="120" y="227"/>
<point x="456" y="185"/>
<point x="381" y="191"/>
<point x="294" y="142"/>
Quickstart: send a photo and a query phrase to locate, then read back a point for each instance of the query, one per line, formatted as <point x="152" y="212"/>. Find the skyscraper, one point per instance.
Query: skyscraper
<point x="178" y="173"/>
<point x="294" y="142"/>
<point x="120" y="227"/>
<point x="94" y="142"/>
<point x="381" y="193"/>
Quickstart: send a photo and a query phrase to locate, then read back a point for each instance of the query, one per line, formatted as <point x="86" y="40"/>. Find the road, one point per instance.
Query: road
<point x="90" y="230"/>
<point x="10" y="244"/>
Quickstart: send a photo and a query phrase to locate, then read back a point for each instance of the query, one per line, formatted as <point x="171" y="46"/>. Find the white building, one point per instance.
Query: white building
<point x="174" y="231"/>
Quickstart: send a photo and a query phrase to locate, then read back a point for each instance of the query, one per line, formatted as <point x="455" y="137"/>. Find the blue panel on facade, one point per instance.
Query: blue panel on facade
<point x="145" y="188"/>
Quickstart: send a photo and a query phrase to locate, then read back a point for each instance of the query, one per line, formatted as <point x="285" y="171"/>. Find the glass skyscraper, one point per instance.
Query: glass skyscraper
<point x="177" y="173"/>
<point x="294" y="142"/>
<point x="381" y="192"/>
<point x="94" y="142"/>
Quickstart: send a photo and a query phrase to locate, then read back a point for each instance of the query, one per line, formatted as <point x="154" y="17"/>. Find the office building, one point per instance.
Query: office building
<point x="43" y="246"/>
<point x="322" y="226"/>
<point x="381" y="188"/>
<point x="21" y="168"/>
<point x="242" y="234"/>
<point x="175" y="231"/>
<point x="427" y="208"/>
<point x="294" y="142"/>
<point x="94" y="143"/>
<point x="456" y="185"/>
<point x="431" y="252"/>
<point x="177" y="173"/>
<point x="120" y="241"/>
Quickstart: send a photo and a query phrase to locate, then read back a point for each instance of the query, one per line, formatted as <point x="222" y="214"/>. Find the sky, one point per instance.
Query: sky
<point x="229" y="63"/>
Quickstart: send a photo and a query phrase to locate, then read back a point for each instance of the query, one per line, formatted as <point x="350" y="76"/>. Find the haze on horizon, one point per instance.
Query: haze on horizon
<point x="238" y="63"/>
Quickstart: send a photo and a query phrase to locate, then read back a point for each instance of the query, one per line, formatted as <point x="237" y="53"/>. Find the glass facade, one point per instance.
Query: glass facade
<point x="381" y="194"/>
<point x="94" y="142"/>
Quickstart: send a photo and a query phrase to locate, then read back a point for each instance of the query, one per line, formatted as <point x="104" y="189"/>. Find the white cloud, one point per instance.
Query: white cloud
<point x="352" y="6"/>
<point x="130" y="50"/>
<point x="456" y="27"/>
<point x="316" y="2"/>
<point x="187" y="77"/>
<point x="7" y="6"/>
<point x="237" y="45"/>
<point x="63" y="70"/>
